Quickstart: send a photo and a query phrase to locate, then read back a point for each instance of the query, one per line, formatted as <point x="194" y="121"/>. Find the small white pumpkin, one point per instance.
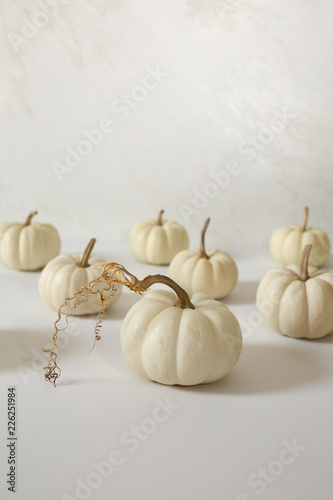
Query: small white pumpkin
<point x="297" y="301"/>
<point x="208" y="271"/>
<point x="158" y="241"/>
<point x="166" y="337"/>
<point x="286" y="243"/>
<point x="67" y="274"/>
<point x="180" y="342"/>
<point x="29" y="246"/>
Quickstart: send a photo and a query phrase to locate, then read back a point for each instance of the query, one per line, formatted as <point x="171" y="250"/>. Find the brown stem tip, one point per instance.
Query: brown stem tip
<point x="305" y="220"/>
<point x="159" y="218"/>
<point x="303" y="269"/>
<point x="29" y="218"/>
<point x="86" y="254"/>
<point x="203" y="254"/>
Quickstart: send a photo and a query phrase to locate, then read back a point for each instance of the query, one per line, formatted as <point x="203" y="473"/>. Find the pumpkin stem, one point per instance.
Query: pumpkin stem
<point x="29" y="218"/>
<point x="159" y="218"/>
<point x="305" y="220"/>
<point x="303" y="269"/>
<point x="183" y="302"/>
<point x="111" y="273"/>
<point x="86" y="254"/>
<point x="203" y="254"/>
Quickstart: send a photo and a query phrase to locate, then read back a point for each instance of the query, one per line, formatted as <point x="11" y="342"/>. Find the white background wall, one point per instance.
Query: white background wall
<point x="230" y="67"/>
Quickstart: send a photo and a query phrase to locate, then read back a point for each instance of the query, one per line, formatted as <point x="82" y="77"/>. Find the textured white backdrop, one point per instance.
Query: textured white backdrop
<point x="229" y="68"/>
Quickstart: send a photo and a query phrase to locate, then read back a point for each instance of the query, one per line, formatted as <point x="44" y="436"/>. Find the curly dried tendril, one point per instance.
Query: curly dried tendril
<point x="52" y="370"/>
<point x="104" y="286"/>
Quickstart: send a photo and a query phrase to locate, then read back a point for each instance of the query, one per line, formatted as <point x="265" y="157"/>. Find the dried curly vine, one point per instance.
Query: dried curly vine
<point x="111" y="273"/>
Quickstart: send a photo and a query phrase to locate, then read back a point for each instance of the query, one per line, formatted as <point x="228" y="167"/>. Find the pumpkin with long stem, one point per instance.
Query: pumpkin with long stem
<point x="297" y="301"/>
<point x="287" y="243"/>
<point x="200" y="270"/>
<point x="166" y="336"/>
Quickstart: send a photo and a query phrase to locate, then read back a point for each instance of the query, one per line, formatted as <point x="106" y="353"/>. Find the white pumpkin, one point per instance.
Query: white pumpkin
<point x="166" y="337"/>
<point x="286" y="243"/>
<point x="29" y="246"/>
<point x="67" y="274"/>
<point x="158" y="241"/>
<point x="208" y="271"/>
<point x="172" y="345"/>
<point x="297" y="301"/>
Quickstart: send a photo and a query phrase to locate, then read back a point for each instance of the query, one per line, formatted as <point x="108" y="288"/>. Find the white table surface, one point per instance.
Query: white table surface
<point x="215" y="440"/>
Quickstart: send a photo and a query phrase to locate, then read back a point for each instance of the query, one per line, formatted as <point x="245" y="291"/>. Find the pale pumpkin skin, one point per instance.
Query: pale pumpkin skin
<point x="216" y="276"/>
<point x="158" y="241"/>
<point x="170" y="345"/>
<point x="286" y="244"/>
<point x="208" y="271"/>
<point x="28" y="247"/>
<point x="296" y="308"/>
<point x="62" y="277"/>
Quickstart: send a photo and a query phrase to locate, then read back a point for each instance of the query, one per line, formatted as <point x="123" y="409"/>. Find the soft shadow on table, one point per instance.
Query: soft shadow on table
<point x="122" y="306"/>
<point x="19" y="346"/>
<point x="90" y="381"/>
<point x="244" y="293"/>
<point x="22" y="348"/>
<point x="266" y="369"/>
<point x="325" y="340"/>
